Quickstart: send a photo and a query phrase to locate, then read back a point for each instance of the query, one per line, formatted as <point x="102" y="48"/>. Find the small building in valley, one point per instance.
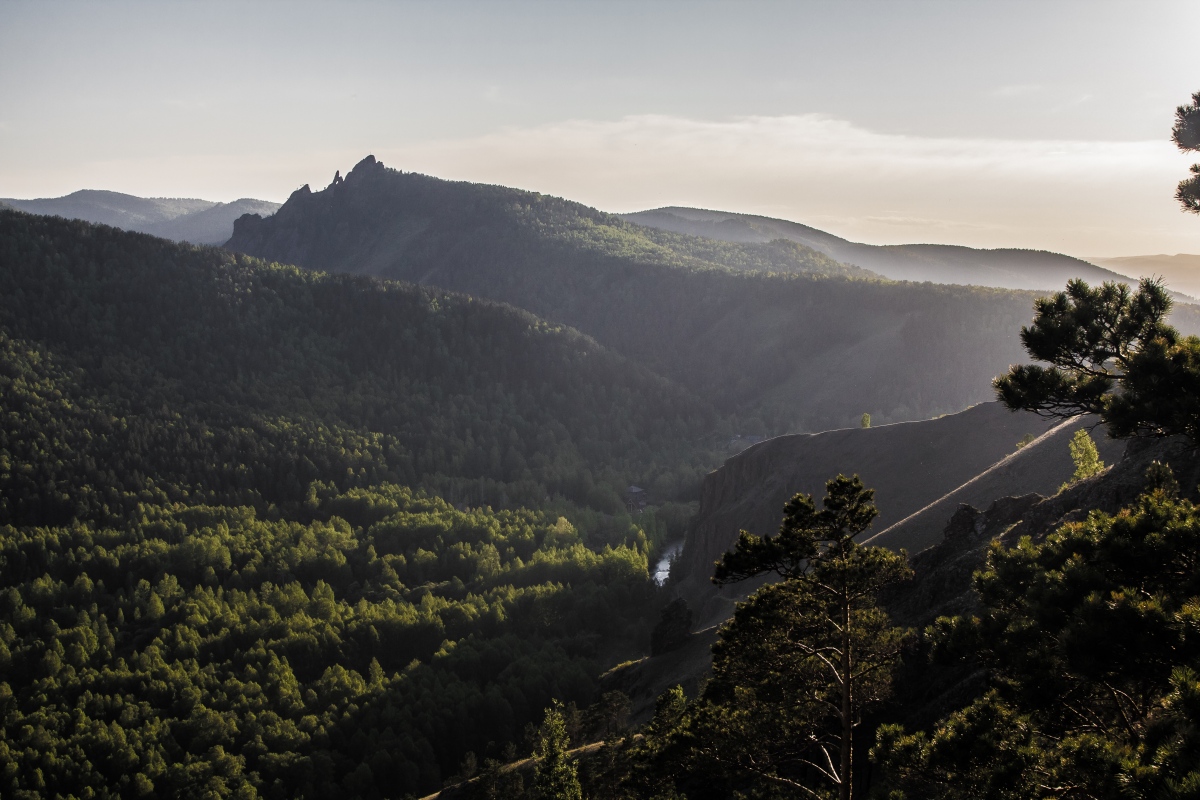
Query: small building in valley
<point x="635" y="499"/>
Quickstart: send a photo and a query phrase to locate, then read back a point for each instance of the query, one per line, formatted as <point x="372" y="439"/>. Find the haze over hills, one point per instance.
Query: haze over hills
<point x="1181" y="271"/>
<point x="391" y="515"/>
<point x="775" y="332"/>
<point x="178" y="219"/>
<point x="1004" y="268"/>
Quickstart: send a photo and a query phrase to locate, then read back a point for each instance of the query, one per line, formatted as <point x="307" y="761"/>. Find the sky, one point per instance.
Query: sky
<point x="992" y="124"/>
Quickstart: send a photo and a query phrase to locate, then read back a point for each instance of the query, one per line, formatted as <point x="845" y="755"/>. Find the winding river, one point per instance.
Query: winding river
<point x="662" y="569"/>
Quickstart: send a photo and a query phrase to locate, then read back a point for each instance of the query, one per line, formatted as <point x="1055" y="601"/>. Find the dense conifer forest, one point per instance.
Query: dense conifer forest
<point x="272" y="532"/>
<point x="214" y="583"/>
<point x="138" y="369"/>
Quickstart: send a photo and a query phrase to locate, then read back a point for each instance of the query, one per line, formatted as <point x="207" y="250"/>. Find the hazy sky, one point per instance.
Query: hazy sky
<point x="991" y="124"/>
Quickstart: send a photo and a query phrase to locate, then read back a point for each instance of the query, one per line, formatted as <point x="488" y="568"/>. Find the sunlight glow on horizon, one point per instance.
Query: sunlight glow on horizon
<point x="991" y="125"/>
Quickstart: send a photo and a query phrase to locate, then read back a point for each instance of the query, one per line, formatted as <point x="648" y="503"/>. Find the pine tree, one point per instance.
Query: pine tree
<point x="1089" y="638"/>
<point x="816" y="646"/>
<point x="1186" y="135"/>
<point x="1110" y="353"/>
<point x="1085" y="456"/>
<point x="556" y="776"/>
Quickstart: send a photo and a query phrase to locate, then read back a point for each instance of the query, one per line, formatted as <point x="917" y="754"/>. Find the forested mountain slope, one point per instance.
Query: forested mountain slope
<point x="809" y="350"/>
<point x="1006" y="268"/>
<point x="266" y="378"/>
<point x="211" y="583"/>
<point x="178" y="219"/>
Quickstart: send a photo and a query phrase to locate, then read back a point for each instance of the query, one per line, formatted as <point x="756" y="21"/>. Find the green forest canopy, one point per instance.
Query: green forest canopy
<point x="211" y="581"/>
<point x="136" y="369"/>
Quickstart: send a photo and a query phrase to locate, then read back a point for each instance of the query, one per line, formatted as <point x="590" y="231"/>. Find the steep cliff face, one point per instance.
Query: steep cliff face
<point x="912" y="466"/>
<point x="1038" y="469"/>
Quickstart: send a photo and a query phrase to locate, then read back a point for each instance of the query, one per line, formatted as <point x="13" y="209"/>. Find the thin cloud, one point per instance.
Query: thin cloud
<point x="1075" y="196"/>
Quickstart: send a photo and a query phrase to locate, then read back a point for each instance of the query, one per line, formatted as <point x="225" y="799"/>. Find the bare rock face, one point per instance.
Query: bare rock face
<point x="943" y="580"/>
<point x="910" y="465"/>
<point x="942" y="583"/>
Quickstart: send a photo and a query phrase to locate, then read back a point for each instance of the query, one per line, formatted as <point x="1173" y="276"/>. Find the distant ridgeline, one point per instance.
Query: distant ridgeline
<point x="210" y="577"/>
<point x="774" y="331"/>
<point x="175" y="218"/>
<point x="1006" y="268"/>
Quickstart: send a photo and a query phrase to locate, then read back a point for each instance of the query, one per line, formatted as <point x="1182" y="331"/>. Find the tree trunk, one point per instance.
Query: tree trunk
<point x="847" y="767"/>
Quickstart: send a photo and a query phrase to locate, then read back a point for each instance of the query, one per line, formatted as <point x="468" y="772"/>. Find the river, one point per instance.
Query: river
<point x="663" y="568"/>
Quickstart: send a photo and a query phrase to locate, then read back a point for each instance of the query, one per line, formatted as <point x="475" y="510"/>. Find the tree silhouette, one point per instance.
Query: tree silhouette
<point x="1110" y="353"/>
<point x="1186" y="135"/>
<point x="802" y="659"/>
<point x="556" y="776"/>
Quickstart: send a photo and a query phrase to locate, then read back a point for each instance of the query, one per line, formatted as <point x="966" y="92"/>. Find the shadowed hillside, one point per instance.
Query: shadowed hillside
<point x="1006" y="268"/>
<point x="205" y="546"/>
<point x="266" y="378"/>
<point x="910" y="465"/>
<point x="1040" y="467"/>
<point x="807" y="348"/>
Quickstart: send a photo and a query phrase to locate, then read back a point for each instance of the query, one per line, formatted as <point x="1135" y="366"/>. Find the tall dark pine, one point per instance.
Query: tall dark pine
<point x="1186" y="135"/>
<point x="852" y="648"/>
<point x="1109" y="348"/>
<point x="1110" y="353"/>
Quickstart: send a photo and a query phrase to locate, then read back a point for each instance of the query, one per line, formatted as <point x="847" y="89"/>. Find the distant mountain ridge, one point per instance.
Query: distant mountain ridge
<point x="179" y="219"/>
<point x="776" y="332"/>
<point x="1181" y="271"/>
<point x="1005" y="268"/>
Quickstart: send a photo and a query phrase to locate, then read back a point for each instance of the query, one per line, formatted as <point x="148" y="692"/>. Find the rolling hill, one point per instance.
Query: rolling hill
<point x="178" y="219"/>
<point x="938" y="263"/>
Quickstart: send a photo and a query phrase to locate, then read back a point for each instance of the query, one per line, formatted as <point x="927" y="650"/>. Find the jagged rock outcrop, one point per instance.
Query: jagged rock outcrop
<point x="774" y="331"/>
<point x="1040" y="467"/>
<point x="941" y="584"/>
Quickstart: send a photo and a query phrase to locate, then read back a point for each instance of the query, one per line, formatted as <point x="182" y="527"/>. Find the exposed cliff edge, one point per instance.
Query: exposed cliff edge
<point x="1040" y="467"/>
<point x="921" y="472"/>
<point x="942" y="582"/>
